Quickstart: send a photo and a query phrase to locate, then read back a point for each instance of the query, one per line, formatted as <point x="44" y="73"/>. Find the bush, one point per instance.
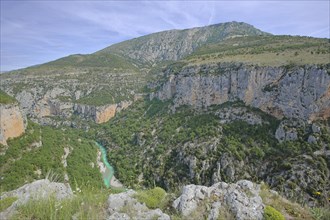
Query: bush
<point x="272" y="214"/>
<point x="5" y="98"/>
<point x="321" y="213"/>
<point x="153" y="198"/>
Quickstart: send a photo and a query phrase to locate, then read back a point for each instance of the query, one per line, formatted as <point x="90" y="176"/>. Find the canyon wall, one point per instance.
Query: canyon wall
<point x="300" y="92"/>
<point x="12" y="122"/>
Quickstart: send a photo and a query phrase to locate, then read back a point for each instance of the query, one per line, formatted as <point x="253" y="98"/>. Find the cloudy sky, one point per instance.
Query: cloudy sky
<point x="34" y="32"/>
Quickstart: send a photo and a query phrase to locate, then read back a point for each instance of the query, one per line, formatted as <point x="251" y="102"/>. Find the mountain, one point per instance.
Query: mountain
<point x="199" y="106"/>
<point x="176" y="44"/>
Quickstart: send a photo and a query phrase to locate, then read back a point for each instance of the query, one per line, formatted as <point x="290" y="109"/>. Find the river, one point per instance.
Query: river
<point x="108" y="174"/>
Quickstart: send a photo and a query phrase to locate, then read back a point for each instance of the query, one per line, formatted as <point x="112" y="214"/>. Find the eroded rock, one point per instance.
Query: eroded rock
<point x="40" y="189"/>
<point x="12" y="122"/>
<point x="241" y="198"/>
<point x="125" y="206"/>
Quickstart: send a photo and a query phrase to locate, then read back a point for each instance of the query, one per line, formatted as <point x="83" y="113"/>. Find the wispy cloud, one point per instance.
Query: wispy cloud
<point x="33" y="32"/>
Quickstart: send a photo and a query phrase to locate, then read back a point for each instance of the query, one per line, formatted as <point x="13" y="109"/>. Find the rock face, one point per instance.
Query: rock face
<point x="125" y="206"/>
<point x="287" y="130"/>
<point x="40" y="189"/>
<point x="100" y="114"/>
<point x="302" y="92"/>
<point x="241" y="198"/>
<point x="40" y="103"/>
<point x="12" y="122"/>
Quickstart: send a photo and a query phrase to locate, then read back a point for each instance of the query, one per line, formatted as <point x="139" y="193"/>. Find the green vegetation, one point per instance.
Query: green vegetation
<point x="6" y="202"/>
<point x="142" y="49"/>
<point x="105" y="96"/>
<point x="89" y="204"/>
<point x="94" y="60"/>
<point x="277" y="206"/>
<point x="149" y="138"/>
<point x="170" y="147"/>
<point x="39" y="151"/>
<point x="265" y="50"/>
<point x="321" y="213"/>
<point x="6" y="99"/>
<point x="153" y="198"/>
<point x="162" y="135"/>
<point x="272" y="214"/>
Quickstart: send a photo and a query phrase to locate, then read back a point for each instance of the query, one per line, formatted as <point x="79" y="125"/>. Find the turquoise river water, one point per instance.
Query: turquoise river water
<point x="107" y="176"/>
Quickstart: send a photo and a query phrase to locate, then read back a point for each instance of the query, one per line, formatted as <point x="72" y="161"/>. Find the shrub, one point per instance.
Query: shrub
<point x="153" y="198"/>
<point x="5" y="98"/>
<point x="272" y="214"/>
<point x="321" y="213"/>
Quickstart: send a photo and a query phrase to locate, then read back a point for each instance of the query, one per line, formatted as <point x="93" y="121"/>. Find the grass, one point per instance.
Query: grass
<point x="320" y="213"/>
<point x="6" y="99"/>
<point x="6" y="202"/>
<point x="286" y="208"/>
<point x="264" y="51"/>
<point x="89" y="204"/>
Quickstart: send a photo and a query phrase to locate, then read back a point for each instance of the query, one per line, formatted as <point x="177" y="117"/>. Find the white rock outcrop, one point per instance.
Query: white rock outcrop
<point x="241" y="199"/>
<point x="40" y="189"/>
<point x="125" y="206"/>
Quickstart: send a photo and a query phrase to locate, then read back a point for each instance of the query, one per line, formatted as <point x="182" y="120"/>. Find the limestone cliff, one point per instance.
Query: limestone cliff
<point x="12" y="122"/>
<point x="100" y="114"/>
<point x="300" y="92"/>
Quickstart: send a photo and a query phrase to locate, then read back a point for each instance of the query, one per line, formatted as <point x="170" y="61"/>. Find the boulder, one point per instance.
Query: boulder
<point x="125" y="206"/>
<point x="40" y="189"/>
<point x="241" y="199"/>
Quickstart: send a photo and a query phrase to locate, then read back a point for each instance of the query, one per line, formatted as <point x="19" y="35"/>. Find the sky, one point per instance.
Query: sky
<point x="35" y="32"/>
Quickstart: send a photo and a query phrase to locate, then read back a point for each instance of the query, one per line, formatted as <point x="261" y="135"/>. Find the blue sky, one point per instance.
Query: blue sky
<point x="34" y="32"/>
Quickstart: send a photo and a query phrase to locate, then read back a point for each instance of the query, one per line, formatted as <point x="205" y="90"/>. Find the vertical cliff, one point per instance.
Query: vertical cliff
<point x="300" y="92"/>
<point x="100" y="114"/>
<point x="12" y="122"/>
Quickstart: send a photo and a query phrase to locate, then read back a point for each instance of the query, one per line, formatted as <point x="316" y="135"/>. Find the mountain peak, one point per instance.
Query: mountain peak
<point x="176" y="44"/>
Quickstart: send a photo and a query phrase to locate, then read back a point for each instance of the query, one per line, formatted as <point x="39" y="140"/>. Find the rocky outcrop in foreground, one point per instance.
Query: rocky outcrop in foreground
<point x="125" y="206"/>
<point x="241" y="199"/>
<point x="40" y="189"/>
<point x="12" y="122"/>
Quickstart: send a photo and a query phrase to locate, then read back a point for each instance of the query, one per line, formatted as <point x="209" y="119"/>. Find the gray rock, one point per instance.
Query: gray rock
<point x="228" y="115"/>
<point x="301" y="93"/>
<point x="40" y="189"/>
<point x="214" y="213"/>
<point x="125" y="206"/>
<point x="287" y="130"/>
<point x="176" y="44"/>
<point x="242" y="199"/>
<point x="316" y="128"/>
<point x="312" y="139"/>
<point x="189" y="199"/>
<point x="116" y="216"/>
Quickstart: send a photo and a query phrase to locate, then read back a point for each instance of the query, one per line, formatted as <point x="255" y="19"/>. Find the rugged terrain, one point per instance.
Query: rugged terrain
<point x="199" y="106"/>
<point x="12" y="121"/>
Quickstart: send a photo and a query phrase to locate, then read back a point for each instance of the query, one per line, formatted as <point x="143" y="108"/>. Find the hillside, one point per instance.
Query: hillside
<point x="176" y="44"/>
<point x="200" y="106"/>
<point x="265" y="50"/>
